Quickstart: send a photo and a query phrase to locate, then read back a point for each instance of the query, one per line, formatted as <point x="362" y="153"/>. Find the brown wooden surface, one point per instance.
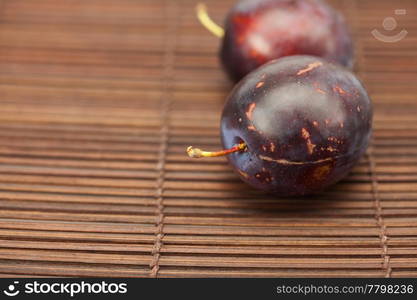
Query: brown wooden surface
<point x="99" y="99"/>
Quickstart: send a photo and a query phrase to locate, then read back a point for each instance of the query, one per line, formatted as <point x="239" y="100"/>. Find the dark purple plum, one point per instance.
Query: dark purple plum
<point x="257" y="31"/>
<point x="296" y="125"/>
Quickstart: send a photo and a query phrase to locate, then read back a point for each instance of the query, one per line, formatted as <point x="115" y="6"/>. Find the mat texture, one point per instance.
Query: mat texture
<point x="99" y="99"/>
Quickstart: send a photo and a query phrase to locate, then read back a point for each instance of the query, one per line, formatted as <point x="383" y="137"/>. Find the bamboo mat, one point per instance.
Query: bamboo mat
<point x="99" y="99"/>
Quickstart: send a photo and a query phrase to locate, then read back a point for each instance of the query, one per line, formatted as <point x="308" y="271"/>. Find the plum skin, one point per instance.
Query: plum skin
<point x="257" y="31"/>
<point x="306" y="122"/>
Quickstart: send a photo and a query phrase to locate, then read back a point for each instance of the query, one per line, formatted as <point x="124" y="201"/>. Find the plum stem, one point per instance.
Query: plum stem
<point x="207" y="22"/>
<point x="198" y="153"/>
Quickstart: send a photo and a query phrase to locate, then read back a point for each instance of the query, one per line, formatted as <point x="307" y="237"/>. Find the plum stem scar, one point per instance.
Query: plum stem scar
<point x="198" y="153"/>
<point x="309" y="68"/>
<point x="207" y="22"/>
<point x="288" y="162"/>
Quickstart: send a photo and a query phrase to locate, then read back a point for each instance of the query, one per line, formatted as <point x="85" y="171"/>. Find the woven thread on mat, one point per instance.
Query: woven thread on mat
<point x="171" y="10"/>
<point x="159" y="233"/>
<point x="353" y="8"/>
<point x="378" y="215"/>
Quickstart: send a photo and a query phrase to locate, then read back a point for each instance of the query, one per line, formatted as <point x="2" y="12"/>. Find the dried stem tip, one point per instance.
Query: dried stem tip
<point x="198" y="153"/>
<point x="207" y="22"/>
